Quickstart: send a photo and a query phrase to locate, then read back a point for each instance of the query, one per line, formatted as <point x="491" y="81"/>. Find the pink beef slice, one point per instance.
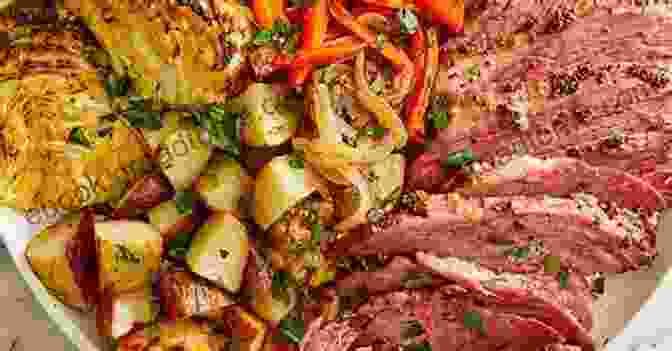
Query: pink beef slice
<point x="564" y="306"/>
<point x="586" y="236"/>
<point x="561" y="176"/>
<point x="400" y="273"/>
<point x="613" y="107"/>
<point x="441" y="314"/>
<point x="329" y="336"/>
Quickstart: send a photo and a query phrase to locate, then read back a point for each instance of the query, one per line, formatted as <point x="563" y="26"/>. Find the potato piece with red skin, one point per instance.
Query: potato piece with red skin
<point x="185" y="295"/>
<point x="148" y="192"/>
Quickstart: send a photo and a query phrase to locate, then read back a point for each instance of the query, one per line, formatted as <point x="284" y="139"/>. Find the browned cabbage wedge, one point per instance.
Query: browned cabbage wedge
<point x="46" y="90"/>
<point x="184" y="295"/>
<point x="129" y="253"/>
<point x="219" y="251"/>
<point x="280" y="185"/>
<point x="224" y="185"/>
<point x="171" y="53"/>
<point x="118" y="314"/>
<point x="58" y="255"/>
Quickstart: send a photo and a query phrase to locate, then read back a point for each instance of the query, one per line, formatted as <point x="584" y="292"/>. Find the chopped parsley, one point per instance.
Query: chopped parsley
<point x="473" y="320"/>
<point x="316" y="233"/>
<point x="408" y="21"/>
<point x="185" y="201"/>
<point x="263" y="37"/>
<point x="519" y="252"/>
<point x="458" y="159"/>
<point x="439" y="119"/>
<point x="77" y="136"/>
<point x="292" y="329"/>
<point x="116" y="87"/>
<point x="552" y="264"/>
<point x="563" y="279"/>
<point x="296" y="163"/>
<point x="222" y="127"/>
<point x="282" y="36"/>
<point x="472" y="73"/>
<point x="123" y="253"/>
<point x="234" y="59"/>
<point x="280" y="283"/>
<point x="375" y="132"/>
<point x="179" y="245"/>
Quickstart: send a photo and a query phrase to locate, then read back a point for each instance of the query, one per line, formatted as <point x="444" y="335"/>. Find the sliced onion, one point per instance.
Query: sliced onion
<point x="385" y="114"/>
<point x="366" y="203"/>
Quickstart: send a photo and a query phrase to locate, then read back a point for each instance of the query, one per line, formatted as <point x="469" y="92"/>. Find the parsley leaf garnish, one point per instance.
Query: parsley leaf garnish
<point x="292" y="329"/>
<point x="439" y="119"/>
<point x="408" y="21"/>
<point x="473" y="320"/>
<point x="179" y="245"/>
<point x="185" y="201"/>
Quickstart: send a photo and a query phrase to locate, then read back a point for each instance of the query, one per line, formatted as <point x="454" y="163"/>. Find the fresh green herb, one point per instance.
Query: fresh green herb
<point x="179" y="245"/>
<point x="222" y="127"/>
<point x="296" y="163"/>
<point x="123" y="253"/>
<point x="116" y="87"/>
<point x="263" y="37"/>
<point x="473" y="320"/>
<point x="552" y="264"/>
<point x="234" y="59"/>
<point x="185" y="201"/>
<point x="424" y="346"/>
<point x="458" y="159"/>
<point x="440" y="119"/>
<point x="380" y="41"/>
<point x="472" y="73"/>
<point x="375" y="132"/>
<point x="316" y="233"/>
<point x="292" y="329"/>
<point x="280" y="283"/>
<point x="519" y="252"/>
<point x="411" y="329"/>
<point x="143" y="119"/>
<point x="223" y="253"/>
<point x="77" y="136"/>
<point x="563" y="279"/>
<point x="408" y="21"/>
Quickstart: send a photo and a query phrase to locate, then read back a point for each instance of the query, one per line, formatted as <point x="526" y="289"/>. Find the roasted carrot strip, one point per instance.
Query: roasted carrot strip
<point x="417" y="51"/>
<point x="267" y="12"/>
<point x="395" y="4"/>
<point x="447" y="12"/>
<point x="426" y="71"/>
<point x="330" y="52"/>
<point x="385" y="11"/>
<point x="315" y="22"/>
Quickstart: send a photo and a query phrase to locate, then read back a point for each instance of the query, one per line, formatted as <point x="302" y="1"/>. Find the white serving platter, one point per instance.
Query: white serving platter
<point x="635" y="313"/>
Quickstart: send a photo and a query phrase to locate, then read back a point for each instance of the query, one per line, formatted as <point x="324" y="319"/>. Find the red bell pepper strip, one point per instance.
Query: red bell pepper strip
<point x="447" y="12"/>
<point x="426" y="71"/>
<point x="267" y="12"/>
<point x="385" y="11"/>
<point x="315" y="22"/>
<point x="417" y="51"/>
<point x="295" y="14"/>
<point x="330" y="53"/>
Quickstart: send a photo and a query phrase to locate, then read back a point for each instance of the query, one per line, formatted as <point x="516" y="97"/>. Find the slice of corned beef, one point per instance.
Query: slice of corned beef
<point x="562" y="176"/>
<point x="329" y="336"/>
<point x="452" y="319"/>
<point x="582" y="235"/>
<point x="599" y="91"/>
<point x="565" y="304"/>
<point x="399" y="273"/>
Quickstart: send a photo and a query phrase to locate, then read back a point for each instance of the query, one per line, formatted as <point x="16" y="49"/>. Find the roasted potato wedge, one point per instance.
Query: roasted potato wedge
<point x="59" y="254"/>
<point x="219" y="251"/>
<point x="183" y="156"/>
<point x="129" y="252"/>
<point x="118" y="314"/>
<point x="280" y="185"/>
<point x="184" y="295"/>
<point x="149" y="191"/>
<point x="386" y="179"/>
<point x="224" y="184"/>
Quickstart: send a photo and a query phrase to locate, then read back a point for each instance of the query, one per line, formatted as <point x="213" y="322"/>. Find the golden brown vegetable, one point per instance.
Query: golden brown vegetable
<point x="147" y="192"/>
<point x="224" y="184"/>
<point x="184" y="295"/>
<point x="219" y="251"/>
<point x="183" y="156"/>
<point x="169" y="221"/>
<point x="129" y="252"/>
<point x="117" y="314"/>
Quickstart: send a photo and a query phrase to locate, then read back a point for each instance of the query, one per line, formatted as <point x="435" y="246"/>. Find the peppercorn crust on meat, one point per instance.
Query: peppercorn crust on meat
<point x="46" y="90"/>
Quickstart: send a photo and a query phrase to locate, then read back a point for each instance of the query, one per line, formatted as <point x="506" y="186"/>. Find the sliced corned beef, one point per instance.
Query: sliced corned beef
<point x="583" y="235"/>
<point x="564" y="305"/>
